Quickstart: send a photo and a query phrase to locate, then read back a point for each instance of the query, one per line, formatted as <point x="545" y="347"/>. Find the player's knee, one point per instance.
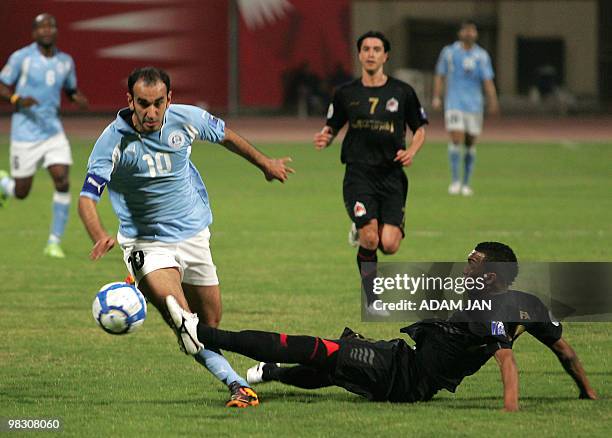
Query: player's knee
<point x="22" y="192"/>
<point x="62" y="184"/>
<point x="368" y="238"/>
<point x="389" y="245"/>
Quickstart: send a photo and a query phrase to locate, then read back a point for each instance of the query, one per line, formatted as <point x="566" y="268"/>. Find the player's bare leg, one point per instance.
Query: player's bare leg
<point x="457" y="139"/>
<point x="23" y="187"/>
<point x="157" y="286"/>
<point x="206" y="302"/>
<point x="390" y="239"/>
<point x="61" y="207"/>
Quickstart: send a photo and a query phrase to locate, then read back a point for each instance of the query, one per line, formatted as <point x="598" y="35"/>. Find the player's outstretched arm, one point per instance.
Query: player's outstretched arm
<point x="103" y="242"/>
<point x="571" y="364"/>
<point x="273" y="168"/>
<point x="510" y="379"/>
<point x="324" y="137"/>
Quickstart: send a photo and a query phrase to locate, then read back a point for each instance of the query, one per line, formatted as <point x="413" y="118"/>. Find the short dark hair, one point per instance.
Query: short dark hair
<point x="149" y="75"/>
<point x="374" y="34"/>
<point x="499" y="258"/>
<point x="467" y="22"/>
<point x="42" y="17"/>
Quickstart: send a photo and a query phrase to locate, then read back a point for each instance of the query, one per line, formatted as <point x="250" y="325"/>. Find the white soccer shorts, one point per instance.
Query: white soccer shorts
<point x="456" y="120"/>
<point x="192" y="257"/>
<point x="27" y="156"/>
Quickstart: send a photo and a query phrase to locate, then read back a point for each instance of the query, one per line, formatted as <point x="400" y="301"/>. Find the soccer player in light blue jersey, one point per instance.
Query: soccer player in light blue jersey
<point x="466" y="69"/>
<point x="163" y="208"/>
<point x="38" y="73"/>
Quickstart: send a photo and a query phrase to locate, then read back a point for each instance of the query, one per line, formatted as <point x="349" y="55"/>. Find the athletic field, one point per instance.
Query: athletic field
<point x="285" y="265"/>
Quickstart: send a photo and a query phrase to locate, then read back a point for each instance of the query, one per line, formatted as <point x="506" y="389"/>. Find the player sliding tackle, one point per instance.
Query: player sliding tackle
<point x="446" y="350"/>
<point x="162" y="205"/>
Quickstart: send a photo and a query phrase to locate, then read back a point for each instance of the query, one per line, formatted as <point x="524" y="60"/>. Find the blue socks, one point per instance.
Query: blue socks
<point x="61" y="207"/>
<point x="468" y="162"/>
<point x="454" y="156"/>
<point x="219" y="367"/>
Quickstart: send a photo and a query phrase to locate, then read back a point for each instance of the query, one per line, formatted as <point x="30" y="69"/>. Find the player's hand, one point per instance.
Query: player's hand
<point x="404" y="156"/>
<point x="323" y="138"/>
<point x="101" y="247"/>
<point x="80" y="100"/>
<point x="436" y="103"/>
<point x="493" y="108"/>
<point x="276" y="168"/>
<point x="26" y="102"/>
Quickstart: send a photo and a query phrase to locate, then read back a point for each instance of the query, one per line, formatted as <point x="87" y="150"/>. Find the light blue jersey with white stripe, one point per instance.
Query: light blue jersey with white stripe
<point x="465" y="71"/>
<point x="35" y="75"/>
<point x="155" y="190"/>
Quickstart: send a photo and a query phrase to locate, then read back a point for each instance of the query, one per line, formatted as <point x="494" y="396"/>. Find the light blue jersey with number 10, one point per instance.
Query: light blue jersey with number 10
<point x="155" y="190"/>
<point x="35" y="75"/>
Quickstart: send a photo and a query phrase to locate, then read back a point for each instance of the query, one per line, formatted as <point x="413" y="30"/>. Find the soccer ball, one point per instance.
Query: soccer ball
<point x="119" y="308"/>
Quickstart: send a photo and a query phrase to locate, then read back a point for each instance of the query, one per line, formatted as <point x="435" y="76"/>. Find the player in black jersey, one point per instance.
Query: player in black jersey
<point x="446" y="350"/>
<point x="377" y="108"/>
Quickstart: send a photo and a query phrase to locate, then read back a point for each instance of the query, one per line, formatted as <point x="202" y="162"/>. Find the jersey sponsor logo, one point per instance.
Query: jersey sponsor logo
<point x="330" y="111"/>
<point x="497" y="328"/>
<point x="359" y="209"/>
<point x="392" y="105"/>
<point x="176" y="139"/>
<point x="469" y="64"/>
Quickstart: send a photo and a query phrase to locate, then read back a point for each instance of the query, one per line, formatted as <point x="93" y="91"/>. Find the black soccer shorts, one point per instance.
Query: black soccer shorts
<point x="372" y="192"/>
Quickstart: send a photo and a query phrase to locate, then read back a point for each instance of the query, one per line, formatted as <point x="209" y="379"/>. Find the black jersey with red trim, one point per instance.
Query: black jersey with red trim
<point x="377" y="119"/>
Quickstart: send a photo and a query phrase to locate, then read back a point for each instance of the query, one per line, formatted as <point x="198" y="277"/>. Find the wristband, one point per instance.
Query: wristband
<point x="14" y="99"/>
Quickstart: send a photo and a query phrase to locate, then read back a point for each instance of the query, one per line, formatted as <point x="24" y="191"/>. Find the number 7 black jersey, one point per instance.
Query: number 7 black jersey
<point x="377" y="118"/>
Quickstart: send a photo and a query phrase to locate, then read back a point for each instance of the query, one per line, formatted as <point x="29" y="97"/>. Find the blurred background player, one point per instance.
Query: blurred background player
<point x="377" y="108"/>
<point x="163" y="207"/>
<point x="465" y="68"/>
<point x="38" y="73"/>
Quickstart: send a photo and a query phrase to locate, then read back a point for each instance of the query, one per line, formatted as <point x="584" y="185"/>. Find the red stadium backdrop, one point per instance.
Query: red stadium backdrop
<point x="189" y="38"/>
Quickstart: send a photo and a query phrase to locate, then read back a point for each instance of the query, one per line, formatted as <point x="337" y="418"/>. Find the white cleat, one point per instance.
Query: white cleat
<point x="254" y="375"/>
<point x="370" y="310"/>
<point x="467" y="191"/>
<point x="185" y="326"/>
<point x="353" y="236"/>
<point x="454" y="188"/>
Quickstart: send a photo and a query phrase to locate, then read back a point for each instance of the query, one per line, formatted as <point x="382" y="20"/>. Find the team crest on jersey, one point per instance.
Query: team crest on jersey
<point x="330" y="111"/>
<point x="497" y="328"/>
<point x="176" y="139"/>
<point x="392" y="105"/>
<point x="359" y="209"/>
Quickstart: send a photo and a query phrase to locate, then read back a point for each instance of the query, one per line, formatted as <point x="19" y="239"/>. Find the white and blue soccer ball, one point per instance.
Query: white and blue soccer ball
<point x="119" y="308"/>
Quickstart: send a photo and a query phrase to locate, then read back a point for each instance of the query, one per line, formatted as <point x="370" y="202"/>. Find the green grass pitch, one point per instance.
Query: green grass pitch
<point x="284" y="264"/>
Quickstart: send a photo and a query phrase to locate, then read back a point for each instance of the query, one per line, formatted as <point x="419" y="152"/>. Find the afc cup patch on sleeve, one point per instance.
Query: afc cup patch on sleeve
<point x="359" y="209"/>
<point x="497" y="328"/>
<point x="176" y="139"/>
<point x="392" y="105"/>
<point x="330" y="111"/>
<point x="423" y="113"/>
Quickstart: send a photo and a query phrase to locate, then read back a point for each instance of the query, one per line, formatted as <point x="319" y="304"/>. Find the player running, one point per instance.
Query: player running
<point x="163" y="206"/>
<point x="377" y="108"/>
<point x="446" y="351"/>
<point x="38" y="73"/>
<point x="466" y="67"/>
